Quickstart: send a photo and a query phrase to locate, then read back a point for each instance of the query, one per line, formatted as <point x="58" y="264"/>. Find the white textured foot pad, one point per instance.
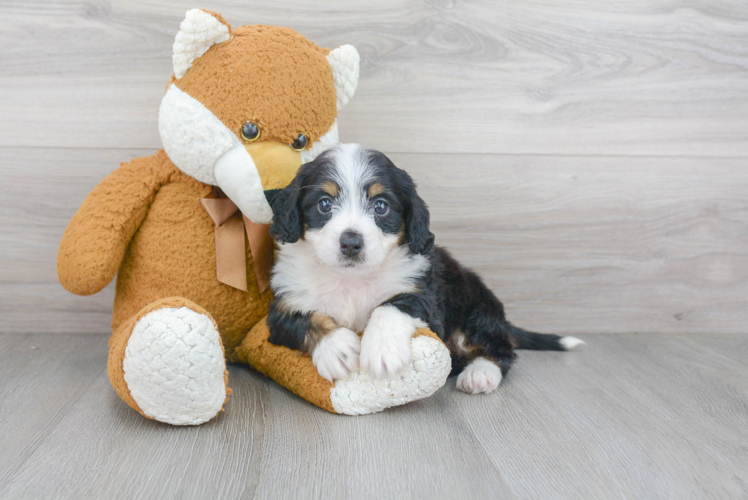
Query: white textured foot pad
<point x="360" y="394"/>
<point x="174" y="366"/>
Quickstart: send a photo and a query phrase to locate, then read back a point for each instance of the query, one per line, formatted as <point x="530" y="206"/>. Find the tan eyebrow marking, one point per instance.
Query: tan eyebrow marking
<point x="330" y="188"/>
<point x="376" y="189"/>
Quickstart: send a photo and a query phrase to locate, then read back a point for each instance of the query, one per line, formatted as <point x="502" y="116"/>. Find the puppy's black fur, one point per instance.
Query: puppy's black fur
<point x="467" y="316"/>
<point x="451" y="299"/>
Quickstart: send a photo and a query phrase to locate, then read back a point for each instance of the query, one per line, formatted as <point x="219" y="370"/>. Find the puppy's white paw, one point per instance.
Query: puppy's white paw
<point x="336" y="355"/>
<point x="480" y="376"/>
<point x="384" y="357"/>
<point x="385" y="346"/>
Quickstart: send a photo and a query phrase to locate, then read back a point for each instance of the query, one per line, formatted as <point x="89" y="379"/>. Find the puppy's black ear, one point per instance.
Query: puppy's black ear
<point x="287" y="226"/>
<point x="420" y="239"/>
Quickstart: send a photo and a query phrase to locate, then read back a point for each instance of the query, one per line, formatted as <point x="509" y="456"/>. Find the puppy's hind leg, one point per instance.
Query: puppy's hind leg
<point x="480" y="369"/>
<point x="480" y="376"/>
<point x="483" y="353"/>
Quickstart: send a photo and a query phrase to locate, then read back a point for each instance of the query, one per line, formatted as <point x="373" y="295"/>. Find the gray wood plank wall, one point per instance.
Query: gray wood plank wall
<point x="590" y="159"/>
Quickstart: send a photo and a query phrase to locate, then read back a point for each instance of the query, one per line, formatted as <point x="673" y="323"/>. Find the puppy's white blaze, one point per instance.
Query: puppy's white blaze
<point x="352" y="173"/>
<point x="352" y="211"/>
<point x="385" y="346"/>
<point x="569" y="343"/>
<point x="480" y="376"/>
<point x="336" y="355"/>
<point x="308" y="285"/>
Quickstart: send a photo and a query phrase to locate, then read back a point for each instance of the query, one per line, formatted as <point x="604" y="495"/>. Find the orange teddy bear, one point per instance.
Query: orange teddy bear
<point x="186" y="230"/>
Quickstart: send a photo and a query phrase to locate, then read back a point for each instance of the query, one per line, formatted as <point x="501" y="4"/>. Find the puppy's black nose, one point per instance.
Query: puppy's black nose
<point x="351" y="243"/>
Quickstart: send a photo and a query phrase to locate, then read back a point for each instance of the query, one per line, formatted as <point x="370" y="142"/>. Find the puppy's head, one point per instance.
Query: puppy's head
<point x="354" y="207"/>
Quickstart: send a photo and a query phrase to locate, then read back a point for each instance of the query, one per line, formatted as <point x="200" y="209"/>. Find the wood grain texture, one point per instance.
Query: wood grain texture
<point x="597" y="244"/>
<point x="587" y="158"/>
<point x="105" y="450"/>
<point x="570" y="244"/>
<point x="634" y="416"/>
<point x="42" y="189"/>
<point x="540" y="76"/>
<point x="41" y="378"/>
<point x="394" y="454"/>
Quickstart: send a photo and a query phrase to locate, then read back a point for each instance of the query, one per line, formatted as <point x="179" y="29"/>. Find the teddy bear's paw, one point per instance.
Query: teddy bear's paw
<point x="480" y="376"/>
<point x="174" y="366"/>
<point x="336" y="355"/>
<point x="361" y="394"/>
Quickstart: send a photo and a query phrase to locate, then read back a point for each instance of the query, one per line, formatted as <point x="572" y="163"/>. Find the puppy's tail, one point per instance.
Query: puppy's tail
<point x="522" y="339"/>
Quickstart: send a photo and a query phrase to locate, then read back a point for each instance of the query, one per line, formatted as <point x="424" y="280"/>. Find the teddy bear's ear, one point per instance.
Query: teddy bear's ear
<point x="344" y="62"/>
<point x="199" y="31"/>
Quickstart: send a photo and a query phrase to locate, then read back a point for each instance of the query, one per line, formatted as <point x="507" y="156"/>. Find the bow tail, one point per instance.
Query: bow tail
<point x="231" y="263"/>
<point x="261" y="246"/>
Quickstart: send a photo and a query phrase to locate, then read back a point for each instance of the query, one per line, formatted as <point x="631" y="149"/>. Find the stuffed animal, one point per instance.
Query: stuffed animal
<point x="186" y="230"/>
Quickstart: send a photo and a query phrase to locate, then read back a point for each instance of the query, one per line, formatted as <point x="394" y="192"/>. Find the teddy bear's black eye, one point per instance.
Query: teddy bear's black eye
<point x="325" y="205"/>
<point x="250" y="131"/>
<point x="300" y="142"/>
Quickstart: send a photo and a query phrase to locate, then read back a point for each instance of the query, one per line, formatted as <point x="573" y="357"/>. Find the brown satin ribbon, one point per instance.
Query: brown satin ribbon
<point x="231" y="265"/>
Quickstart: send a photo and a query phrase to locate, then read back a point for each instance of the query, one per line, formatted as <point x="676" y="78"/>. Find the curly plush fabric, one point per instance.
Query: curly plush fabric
<point x="174" y="366"/>
<point x="426" y="374"/>
<point x="344" y="62"/>
<point x="360" y="394"/>
<point x="327" y="141"/>
<point x="173" y="254"/>
<point x="255" y="76"/>
<point x="119" y="348"/>
<point x="199" y="31"/>
<point x="173" y="321"/>
<point x="94" y="244"/>
<point x="193" y="137"/>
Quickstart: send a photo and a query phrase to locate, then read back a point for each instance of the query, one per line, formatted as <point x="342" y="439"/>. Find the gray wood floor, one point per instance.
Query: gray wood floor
<point x="589" y="159"/>
<point x="633" y="416"/>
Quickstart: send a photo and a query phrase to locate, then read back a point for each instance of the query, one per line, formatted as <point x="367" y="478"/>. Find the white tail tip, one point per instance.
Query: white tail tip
<point x="569" y="343"/>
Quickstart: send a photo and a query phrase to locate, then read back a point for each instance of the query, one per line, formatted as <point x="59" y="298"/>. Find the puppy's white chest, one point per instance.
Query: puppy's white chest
<point x="349" y="299"/>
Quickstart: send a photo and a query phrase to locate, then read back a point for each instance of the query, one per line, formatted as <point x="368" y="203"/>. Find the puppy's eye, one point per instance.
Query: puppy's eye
<point x="381" y="207"/>
<point x="300" y="143"/>
<point x="250" y="131"/>
<point x="325" y="205"/>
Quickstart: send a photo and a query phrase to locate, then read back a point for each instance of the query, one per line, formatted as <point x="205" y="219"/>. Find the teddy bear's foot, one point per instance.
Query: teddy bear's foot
<point x="172" y="363"/>
<point x="358" y="394"/>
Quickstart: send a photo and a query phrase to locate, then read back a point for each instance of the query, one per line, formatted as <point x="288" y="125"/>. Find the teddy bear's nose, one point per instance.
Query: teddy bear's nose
<point x="277" y="163"/>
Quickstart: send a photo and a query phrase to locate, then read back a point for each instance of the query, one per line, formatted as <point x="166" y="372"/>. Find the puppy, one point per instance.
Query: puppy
<point x="355" y="254"/>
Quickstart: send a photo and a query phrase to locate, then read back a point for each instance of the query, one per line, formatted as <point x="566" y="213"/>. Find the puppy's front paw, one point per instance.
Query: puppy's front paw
<point x="383" y="357"/>
<point x="481" y="375"/>
<point x="385" y="347"/>
<point x="336" y="355"/>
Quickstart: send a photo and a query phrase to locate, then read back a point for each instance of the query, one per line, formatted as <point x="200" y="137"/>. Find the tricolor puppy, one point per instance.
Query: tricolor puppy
<point x="356" y="254"/>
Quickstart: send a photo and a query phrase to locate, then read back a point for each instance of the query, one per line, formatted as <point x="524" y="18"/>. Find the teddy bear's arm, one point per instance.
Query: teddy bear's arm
<point x="97" y="236"/>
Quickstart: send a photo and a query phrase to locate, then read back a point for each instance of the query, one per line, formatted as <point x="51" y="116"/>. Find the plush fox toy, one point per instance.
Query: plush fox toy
<point x="186" y="230"/>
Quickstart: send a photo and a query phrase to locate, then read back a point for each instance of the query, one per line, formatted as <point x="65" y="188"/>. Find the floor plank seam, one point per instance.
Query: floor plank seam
<point x="451" y="392"/>
<point x="64" y="411"/>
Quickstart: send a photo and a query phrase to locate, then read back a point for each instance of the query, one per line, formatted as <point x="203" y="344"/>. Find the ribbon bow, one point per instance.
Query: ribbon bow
<point x="231" y="264"/>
